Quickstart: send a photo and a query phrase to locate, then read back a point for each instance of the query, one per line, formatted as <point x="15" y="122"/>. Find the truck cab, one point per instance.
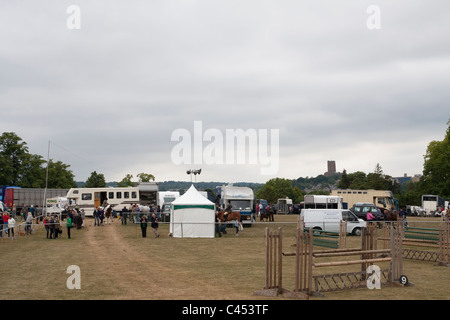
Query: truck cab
<point x="242" y="199"/>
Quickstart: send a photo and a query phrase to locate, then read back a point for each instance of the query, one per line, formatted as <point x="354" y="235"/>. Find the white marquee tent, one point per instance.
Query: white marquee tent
<point x="192" y="216"/>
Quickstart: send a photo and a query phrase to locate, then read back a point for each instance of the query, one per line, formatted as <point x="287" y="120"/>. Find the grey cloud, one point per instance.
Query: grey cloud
<point x="114" y="91"/>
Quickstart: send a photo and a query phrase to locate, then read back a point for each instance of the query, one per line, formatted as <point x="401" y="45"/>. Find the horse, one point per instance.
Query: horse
<point x="392" y="215"/>
<point x="108" y="212"/>
<point x="220" y="216"/>
<point x="266" y="214"/>
<point x="389" y="216"/>
<point x="234" y="215"/>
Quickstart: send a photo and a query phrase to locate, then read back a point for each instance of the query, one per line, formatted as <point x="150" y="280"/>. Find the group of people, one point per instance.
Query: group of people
<point x="154" y="223"/>
<point x="386" y="216"/>
<point x="52" y="226"/>
<point x="7" y="225"/>
<point x="135" y="212"/>
<point x="100" y="214"/>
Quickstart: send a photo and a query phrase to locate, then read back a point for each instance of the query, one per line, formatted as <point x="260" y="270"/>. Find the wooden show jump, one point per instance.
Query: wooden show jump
<point x="304" y="264"/>
<point x="436" y="240"/>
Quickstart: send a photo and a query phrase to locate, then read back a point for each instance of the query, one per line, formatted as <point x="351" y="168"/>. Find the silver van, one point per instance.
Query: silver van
<point x="329" y="220"/>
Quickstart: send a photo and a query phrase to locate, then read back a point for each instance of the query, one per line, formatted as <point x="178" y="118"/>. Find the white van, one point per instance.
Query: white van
<point x="329" y="220"/>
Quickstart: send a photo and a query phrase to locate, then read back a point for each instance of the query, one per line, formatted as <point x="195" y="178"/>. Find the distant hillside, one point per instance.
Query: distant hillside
<point x="319" y="183"/>
<point x="184" y="185"/>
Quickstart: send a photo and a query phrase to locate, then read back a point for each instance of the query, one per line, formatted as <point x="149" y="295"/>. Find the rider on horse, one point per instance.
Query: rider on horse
<point x="228" y="210"/>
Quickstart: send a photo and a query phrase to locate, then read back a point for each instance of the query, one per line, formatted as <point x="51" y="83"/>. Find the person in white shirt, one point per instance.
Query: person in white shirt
<point x="11" y="225"/>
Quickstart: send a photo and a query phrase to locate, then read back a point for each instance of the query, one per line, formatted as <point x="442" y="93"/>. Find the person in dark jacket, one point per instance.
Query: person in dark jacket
<point x="144" y="226"/>
<point x="97" y="213"/>
<point x="154" y="224"/>
<point x="124" y="215"/>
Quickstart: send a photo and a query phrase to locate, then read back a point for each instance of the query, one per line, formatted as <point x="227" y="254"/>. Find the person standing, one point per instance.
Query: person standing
<point x="29" y="220"/>
<point x="69" y="226"/>
<point x="51" y="226"/>
<point x="97" y="216"/>
<point x="369" y="216"/>
<point x="258" y="209"/>
<point x="402" y="215"/>
<point x="11" y="225"/>
<point x="124" y="215"/>
<point x="236" y="225"/>
<point x="5" y="222"/>
<point x="57" y="225"/>
<point x="32" y="210"/>
<point x="102" y="216"/>
<point x="77" y="221"/>
<point x="154" y="224"/>
<point x="83" y="217"/>
<point x="144" y="226"/>
<point x="47" y="227"/>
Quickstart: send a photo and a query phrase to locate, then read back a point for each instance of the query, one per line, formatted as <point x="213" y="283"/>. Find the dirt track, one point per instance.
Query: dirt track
<point x="136" y="272"/>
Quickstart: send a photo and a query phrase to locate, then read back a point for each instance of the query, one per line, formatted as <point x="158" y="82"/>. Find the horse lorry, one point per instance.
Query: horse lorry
<point x="242" y="199"/>
<point x="18" y="198"/>
<point x="384" y="199"/>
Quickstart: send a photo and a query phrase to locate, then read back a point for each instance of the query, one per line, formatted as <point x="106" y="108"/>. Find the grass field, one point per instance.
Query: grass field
<point x="117" y="263"/>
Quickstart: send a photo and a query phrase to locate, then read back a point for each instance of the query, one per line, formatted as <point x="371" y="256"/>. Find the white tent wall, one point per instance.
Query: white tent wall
<point x="192" y="216"/>
<point x="191" y="222"/>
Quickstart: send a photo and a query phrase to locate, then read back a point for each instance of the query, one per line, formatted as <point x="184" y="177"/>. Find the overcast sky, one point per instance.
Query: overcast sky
<point x="109" y="96"/>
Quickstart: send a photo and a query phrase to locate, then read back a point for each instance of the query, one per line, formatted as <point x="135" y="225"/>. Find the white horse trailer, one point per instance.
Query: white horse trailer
<point x="145" y="195"/>
<point x="432" y="203"/>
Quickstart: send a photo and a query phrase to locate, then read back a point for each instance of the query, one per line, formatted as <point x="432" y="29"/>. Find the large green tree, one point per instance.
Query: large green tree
<point x="374" y="180"/>
<point x="379" y="181"/>
<point x="358" y="180"/>
<point x="345" y="181"/>
<point x="59" y="176"/>
<point x="20" y="168"/>
<point x="278" y="188"/>
<point x="32" y="172"/>
<point x="436" y="168"/>
<point x="13" y="158"/>
<point x="126" y="182"/>
<point x="145" y="177"/>
<point x="95" y="180"/>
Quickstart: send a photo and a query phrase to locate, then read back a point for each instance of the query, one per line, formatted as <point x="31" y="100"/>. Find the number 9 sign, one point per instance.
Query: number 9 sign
<point x="403" y="280"/>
